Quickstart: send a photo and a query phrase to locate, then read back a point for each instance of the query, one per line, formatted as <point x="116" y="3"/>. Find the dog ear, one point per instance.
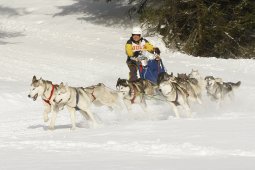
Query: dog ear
<point x="99" y="84"/>
<point x="219" y="80"/>
<point x="34" y="79"/>
<point x="172" y="79"/>
<point x="166" y="77"/>
<point x="40" y="80"/>
<point x="171" y="74"/>
<point x="61" y="84"/>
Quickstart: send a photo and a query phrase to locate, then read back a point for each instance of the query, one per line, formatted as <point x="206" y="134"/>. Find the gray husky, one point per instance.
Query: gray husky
<point x="135" y="92"/>
<point x="218" y="90"/>
<point x="80" y="99"/>
<point x="201" y="81"/>
<point x="191" y="85"/>
<point x="174" y="93"/>
<point x="47" y="91"/>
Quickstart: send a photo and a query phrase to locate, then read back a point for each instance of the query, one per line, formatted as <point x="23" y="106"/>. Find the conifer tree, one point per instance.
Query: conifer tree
<point x="218" y="28"/>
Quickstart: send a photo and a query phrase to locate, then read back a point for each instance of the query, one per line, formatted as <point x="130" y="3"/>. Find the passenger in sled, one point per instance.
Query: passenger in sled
<point x="136" y="47"/>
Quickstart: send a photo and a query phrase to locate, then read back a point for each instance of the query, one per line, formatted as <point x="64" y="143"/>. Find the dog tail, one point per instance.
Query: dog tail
<point x="236" y="85"/>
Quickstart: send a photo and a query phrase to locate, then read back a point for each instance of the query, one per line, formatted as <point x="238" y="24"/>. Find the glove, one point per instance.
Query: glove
<point x="137" y="53"/>
<point x="157" y="58"/>
<point x="157" y="51"/>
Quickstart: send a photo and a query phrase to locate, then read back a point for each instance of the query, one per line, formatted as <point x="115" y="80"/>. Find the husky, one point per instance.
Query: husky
<point x="218" y="90"/>
<point x="175" y="94"/>
<point x="76" y="99"/>
<point x="103" y="95"/>
<point x="192" y="87"/>
<point x="196" y="75"/>
<point x="80" y="99"/>
<point x="135" y="92"/>
<point x="47" y="91"/>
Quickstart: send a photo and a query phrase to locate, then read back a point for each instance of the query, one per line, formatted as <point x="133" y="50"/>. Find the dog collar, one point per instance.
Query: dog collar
<point x="51" y="94"/>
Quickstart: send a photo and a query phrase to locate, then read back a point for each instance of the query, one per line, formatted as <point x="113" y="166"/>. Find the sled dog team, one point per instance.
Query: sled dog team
<point x="179" y="91"/>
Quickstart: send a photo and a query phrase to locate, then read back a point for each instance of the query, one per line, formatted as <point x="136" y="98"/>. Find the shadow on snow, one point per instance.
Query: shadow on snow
<point x="10" y="12"/>
<point x="99" y="12"/>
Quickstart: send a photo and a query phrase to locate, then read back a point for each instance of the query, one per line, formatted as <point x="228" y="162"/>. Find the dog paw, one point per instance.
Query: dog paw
<point x="51" y="128"/>
<point x="46" y="119"/>
<point x="72" y="128"/>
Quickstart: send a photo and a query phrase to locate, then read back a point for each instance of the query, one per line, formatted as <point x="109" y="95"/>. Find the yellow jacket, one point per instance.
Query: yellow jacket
<point x="142" y="45"/>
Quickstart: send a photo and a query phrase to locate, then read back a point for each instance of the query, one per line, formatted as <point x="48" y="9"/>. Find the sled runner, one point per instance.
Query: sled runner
<point x="149" y="69"/>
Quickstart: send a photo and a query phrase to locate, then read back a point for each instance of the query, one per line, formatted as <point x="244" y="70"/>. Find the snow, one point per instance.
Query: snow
<point x="36" y="40"/>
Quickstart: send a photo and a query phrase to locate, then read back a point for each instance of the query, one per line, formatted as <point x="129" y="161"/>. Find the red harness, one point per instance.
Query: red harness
<point x="92" y="94"/>
<point x="51" y="94"/>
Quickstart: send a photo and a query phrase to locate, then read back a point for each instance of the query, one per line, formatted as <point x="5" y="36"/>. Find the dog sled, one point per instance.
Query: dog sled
<point x="149" y="69"/>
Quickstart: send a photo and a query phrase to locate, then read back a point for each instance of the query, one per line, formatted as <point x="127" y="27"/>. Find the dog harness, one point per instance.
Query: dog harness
<point x="77" y="100"/>
<point x="92" y="93"/>
<point x="134" y="89"/>
<point x="176" y="103"/>
<point x="133" y="92"/>
<point x="178" y="87"/>
<point x="51" y="94"/>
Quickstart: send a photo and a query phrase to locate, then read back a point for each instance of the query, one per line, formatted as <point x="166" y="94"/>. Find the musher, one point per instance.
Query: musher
<point x="134" y="47"/>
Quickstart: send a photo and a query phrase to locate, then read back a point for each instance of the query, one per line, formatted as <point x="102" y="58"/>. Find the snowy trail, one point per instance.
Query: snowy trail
<point x="62" y="48"/>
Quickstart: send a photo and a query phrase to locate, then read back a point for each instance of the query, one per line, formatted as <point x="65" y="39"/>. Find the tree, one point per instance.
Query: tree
<point x="219" y="28"/>
<point x="204" y="28"/>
